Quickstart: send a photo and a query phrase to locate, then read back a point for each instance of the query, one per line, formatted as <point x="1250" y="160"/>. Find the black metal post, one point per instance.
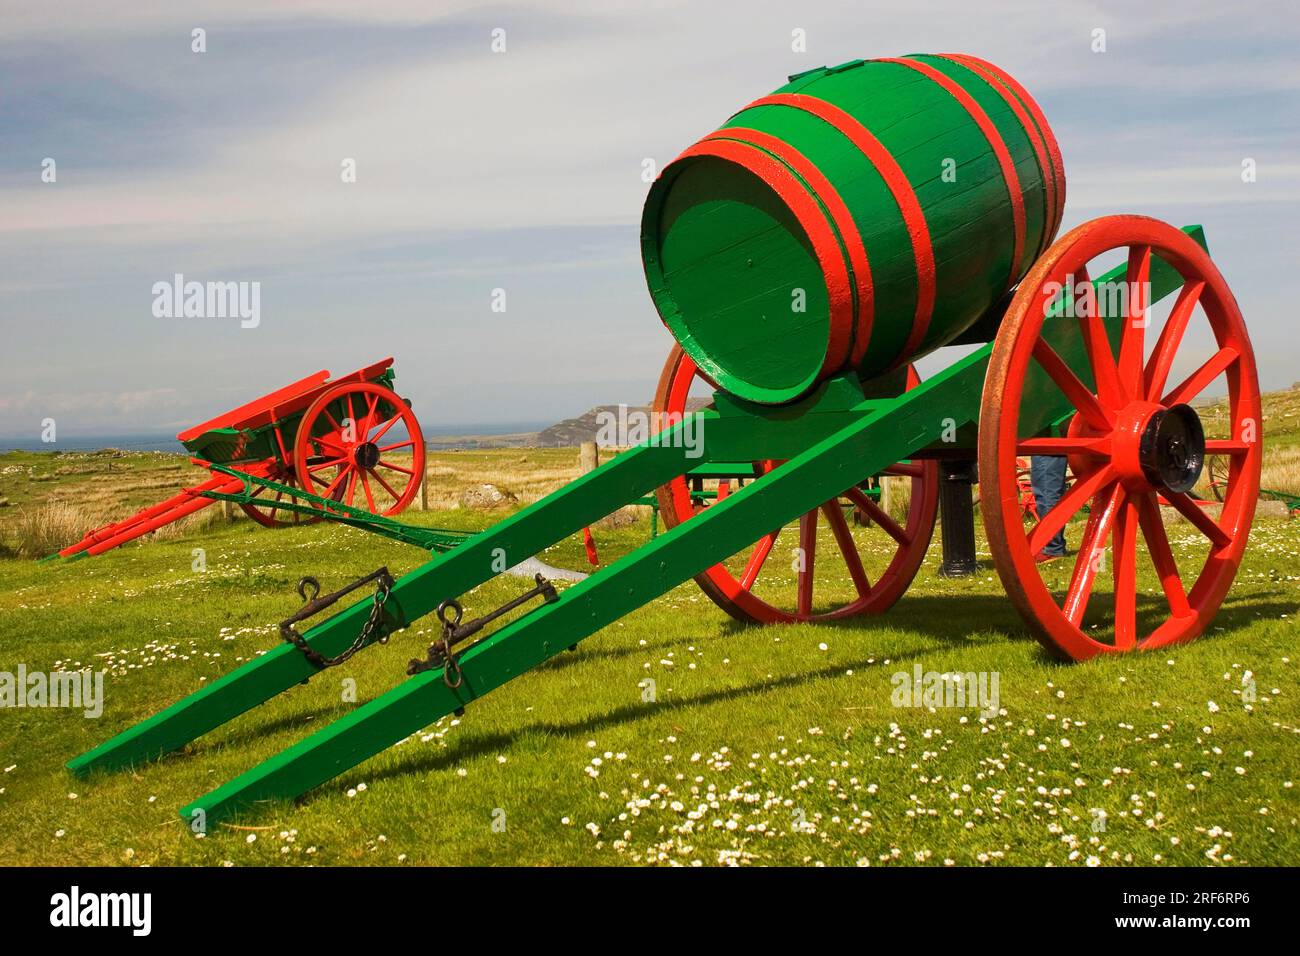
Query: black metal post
<point x="957" y="517"/>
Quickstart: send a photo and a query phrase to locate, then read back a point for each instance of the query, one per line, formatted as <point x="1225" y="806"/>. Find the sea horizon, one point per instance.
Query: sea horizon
<point x="166" y="441"/>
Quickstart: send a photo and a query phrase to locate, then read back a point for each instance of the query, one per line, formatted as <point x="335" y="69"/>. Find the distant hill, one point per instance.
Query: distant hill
<point x="588" y="426"/>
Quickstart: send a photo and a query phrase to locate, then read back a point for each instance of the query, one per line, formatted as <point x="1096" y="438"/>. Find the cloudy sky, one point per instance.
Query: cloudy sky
<point x="521" y="171"/>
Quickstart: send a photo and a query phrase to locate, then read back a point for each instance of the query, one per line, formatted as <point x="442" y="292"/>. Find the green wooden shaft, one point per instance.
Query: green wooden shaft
<point x="586" y="500"/>
<point x="580" y="503"/>
<point x="811" y="477"/>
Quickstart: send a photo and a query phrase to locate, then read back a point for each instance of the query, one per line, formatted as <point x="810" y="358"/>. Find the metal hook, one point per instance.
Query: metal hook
<point x="454" y="605"/>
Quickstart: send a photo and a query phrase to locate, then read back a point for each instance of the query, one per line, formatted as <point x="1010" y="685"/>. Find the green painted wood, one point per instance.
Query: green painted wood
<point x="823" y="469"/>
<point x="623" y="479"/>
<point x="722" y="262"/>
<point x="832" y="439"/>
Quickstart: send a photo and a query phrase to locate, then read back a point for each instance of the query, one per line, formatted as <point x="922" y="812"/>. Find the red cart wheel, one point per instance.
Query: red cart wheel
<point x="349" y="448"/>
<point x="1133" y="440"/>
<point x="266" y="510"/>
<point x="895" y="550"/>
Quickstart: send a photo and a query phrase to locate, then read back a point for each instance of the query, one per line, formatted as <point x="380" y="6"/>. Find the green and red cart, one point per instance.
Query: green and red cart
<point x="351" y="443"/>
<point x="803" y="256"/>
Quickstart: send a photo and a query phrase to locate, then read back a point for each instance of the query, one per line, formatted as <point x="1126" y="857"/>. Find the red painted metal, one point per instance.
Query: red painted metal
<point x="1102" y="446"/>
<point x="1040" y="121"/>
<point x="1040" y="139"/>
<point x="735" y="593"/>
<point x="840" y="215"/>
<point x="1005" y="162"/>
<point x="806" y="211"/>
<point x="896" y="181"/>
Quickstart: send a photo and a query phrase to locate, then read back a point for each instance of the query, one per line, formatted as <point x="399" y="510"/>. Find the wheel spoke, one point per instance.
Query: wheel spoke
<point x="1195" y="383"/>
<point x="1223" y="446"/>
<point x="365" y="486"/>
<point x="911" y="469"/>
<point x="331" y="463"/>
<point x="1098" y="447"/>
<point x="1074" y="499"/>
<point x="383" y="430"/>
<point x="1097" y="343"/>
<point x="756" y="560"/>
<point x="1197" y="516"/>
<point x="385" y="485"/>
<point x="322" y="440"/>
<point x="1153" y="530"/>
<point x="371" y="412"/>
<point x="1125" y="571"/>
<point x="1133" y="338"/>
<point x="352" y="486"/>
<point x="406" y="471"/>
<point x="807" y="545"/>
<point x="333" y="488"/>
<point x="878" y="515"/>
<point x="1091" y="548"/>
<point x="400" y="444"/>
<point x="848" y="547"/>
<point x="1171" y="336"/>
<point x="1069" y="383"/>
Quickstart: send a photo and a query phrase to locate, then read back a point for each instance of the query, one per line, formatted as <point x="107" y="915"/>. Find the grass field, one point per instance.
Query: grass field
<point x="764" y="745"/>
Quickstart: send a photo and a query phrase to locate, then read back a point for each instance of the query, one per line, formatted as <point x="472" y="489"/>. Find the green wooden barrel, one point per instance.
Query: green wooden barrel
<point x="859" y="217"/>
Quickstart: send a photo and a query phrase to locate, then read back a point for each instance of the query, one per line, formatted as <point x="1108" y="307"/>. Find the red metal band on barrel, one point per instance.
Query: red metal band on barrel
<point x="810" y="217"/>
<point x="1053" y="149"/>
<point x="918" y="230"/>
<point x="1032" y="133"/>
<point x="1000" y="150"/>
<point x="848" y="229"/>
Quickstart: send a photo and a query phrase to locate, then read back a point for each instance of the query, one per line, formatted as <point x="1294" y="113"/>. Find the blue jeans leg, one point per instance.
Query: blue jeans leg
<point x="1047" y="475"/>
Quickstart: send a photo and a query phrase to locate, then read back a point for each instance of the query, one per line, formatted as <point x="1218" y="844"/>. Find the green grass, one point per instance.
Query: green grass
<point x="763" y="746"/>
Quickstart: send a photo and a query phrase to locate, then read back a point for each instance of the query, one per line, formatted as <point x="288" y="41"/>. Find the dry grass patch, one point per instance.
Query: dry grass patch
<point x="44" y="529"/>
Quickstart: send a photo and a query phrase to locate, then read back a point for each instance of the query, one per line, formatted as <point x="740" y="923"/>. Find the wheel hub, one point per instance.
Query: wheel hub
<point x="1160" y="448"/>
<point x="366" y="455"/>
<point x="1172" y="449"/>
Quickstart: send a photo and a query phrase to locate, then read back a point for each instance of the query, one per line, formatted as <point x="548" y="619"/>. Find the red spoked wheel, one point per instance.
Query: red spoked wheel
<point x="879" y="560"/>
<point x="266" y="510"/>
<point x="1133" y="441"/>
<point x="352" y="446"/>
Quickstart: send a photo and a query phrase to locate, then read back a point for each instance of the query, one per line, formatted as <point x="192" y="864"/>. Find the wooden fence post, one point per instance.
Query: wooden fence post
<point x="588" y="457"/>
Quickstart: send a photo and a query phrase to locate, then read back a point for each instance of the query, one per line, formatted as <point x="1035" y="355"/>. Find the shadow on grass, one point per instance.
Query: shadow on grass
<point x="941" y="619"/>
<point x="493" y="743"/>
<point x="933" y="616"/>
